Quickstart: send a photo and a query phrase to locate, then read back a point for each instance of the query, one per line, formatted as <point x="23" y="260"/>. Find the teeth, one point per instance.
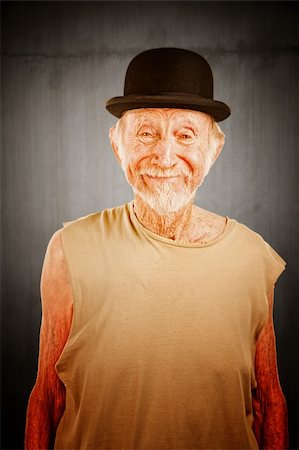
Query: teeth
<point x="160" y="175"/>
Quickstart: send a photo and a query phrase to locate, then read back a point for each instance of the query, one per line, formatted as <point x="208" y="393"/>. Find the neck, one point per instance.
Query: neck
<point x="175" y="225"/>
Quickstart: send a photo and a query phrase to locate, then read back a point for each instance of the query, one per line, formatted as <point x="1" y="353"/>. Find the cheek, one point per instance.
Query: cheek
<point x="197" y="166"/>
<point x="138" y="156"/>
<point x="130" y="164"/>
<point x="195" y="160"/>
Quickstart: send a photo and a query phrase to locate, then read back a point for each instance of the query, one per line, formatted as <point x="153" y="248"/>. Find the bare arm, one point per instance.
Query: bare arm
<point x="47" y="400"/>
<point x="270" y="419"/>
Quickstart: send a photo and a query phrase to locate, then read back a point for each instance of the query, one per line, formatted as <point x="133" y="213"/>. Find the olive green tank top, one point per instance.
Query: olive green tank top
<point x="161" y="349"/>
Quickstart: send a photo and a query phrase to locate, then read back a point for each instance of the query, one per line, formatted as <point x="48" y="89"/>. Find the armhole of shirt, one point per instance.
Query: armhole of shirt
<point x="276" y="266"/>
<point x="61" y="365"/>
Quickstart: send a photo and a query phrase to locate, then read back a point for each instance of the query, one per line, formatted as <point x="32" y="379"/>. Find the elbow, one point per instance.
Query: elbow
<point x="45" y="408"/>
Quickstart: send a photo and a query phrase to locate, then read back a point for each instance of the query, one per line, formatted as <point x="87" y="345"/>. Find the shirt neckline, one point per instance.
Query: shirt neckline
<point x="230" y="223"/>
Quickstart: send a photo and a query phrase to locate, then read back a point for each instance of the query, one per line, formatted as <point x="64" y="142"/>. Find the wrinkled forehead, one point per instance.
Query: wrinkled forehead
<point x="160" y="116"/>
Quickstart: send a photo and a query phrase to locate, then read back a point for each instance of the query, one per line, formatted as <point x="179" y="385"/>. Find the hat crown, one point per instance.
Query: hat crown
<point x="169" y="70"/>
<point x="169" y="77"/>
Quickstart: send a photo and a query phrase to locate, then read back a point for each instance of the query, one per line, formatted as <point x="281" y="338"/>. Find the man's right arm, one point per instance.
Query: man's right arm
<point x="47" y="400"/>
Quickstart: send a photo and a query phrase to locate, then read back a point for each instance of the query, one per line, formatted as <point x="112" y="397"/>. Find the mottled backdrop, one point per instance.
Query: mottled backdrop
<point x="60" y="62"/>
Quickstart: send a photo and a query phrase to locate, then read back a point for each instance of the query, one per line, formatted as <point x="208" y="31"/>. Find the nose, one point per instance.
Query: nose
<point x="164" y="154"/>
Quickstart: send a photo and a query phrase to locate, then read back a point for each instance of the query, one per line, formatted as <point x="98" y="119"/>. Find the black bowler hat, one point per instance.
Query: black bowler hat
<point x="169" y="78"/>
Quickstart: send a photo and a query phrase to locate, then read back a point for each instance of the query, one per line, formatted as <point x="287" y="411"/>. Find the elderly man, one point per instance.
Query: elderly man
<point x="157" y="329"/>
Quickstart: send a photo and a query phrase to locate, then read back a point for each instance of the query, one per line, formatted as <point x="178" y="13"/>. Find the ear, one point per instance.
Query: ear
<point x="113" y="142"/>
<point x="217" y="143"/>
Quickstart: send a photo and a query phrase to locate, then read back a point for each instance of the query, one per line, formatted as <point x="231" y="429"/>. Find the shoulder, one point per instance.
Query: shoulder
<point x="108" y="215"/>
<point x="265" y="258"/>
<point x="54" y="252"/>
<point x="95" y="228"/>
<point x="255" y="242"/>
<point x="246" y="240"/>
<point x="54" y="265"/>
<point x="249" y="235"/>
<point x="216" y="223"/>
<point x="55" y="278"/>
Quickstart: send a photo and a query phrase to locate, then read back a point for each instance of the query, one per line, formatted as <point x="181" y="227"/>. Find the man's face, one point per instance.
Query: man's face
<point x="165" y="154"/>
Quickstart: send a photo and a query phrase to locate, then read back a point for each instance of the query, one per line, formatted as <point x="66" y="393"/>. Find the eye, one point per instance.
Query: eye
<point x="146" y="136"/>
<point x="185" y="137"/>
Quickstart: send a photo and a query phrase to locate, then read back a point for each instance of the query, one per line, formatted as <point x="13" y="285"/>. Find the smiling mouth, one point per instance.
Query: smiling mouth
<point x="161" y="178"/>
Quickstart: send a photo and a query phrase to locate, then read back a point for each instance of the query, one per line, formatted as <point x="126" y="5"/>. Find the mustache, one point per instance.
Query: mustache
<point x="157" y="172"/>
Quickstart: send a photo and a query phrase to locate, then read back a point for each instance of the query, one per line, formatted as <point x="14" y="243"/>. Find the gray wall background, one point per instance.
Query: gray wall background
<point x="60" y="62"/>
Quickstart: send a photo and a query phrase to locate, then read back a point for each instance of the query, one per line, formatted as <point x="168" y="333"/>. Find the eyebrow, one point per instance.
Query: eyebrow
<point x="144" y="122"/>
<point x="150" y="119"/>
<point x="189" y="126"/>
<point x="143" y="119"/>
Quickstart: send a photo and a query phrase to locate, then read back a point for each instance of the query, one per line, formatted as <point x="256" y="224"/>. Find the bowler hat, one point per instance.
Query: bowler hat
<point x="169" y="78"/>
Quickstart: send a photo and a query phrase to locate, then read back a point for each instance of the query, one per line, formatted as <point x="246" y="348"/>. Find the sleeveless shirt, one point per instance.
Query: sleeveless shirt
<point x="161" y="349"/>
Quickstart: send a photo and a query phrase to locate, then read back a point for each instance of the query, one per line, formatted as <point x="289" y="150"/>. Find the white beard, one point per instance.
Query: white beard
<point x="164" y="198"/>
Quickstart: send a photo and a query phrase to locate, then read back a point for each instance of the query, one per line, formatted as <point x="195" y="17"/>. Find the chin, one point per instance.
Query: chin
<point x="166" y="203"/>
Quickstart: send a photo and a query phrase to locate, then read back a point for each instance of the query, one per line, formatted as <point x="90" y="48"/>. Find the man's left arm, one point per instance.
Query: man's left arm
<point x="270" y="411"/>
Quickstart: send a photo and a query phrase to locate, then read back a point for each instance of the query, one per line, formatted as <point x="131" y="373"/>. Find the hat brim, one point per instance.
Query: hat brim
<point x="118" y="105"/>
